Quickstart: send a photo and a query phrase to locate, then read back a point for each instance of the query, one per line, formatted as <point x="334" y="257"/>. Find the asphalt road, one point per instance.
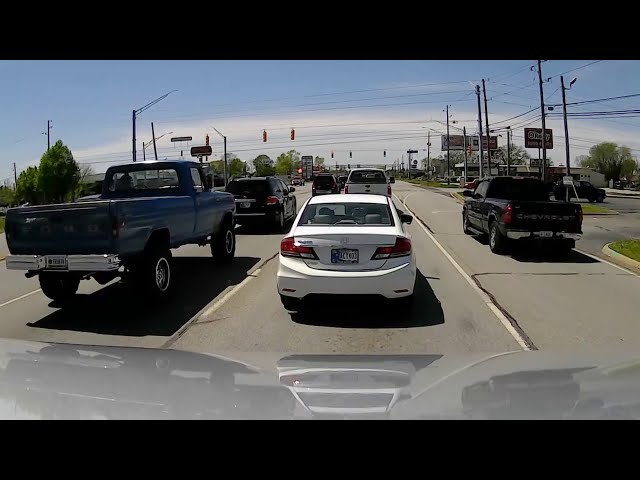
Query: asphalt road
<point x="468" y="301"/>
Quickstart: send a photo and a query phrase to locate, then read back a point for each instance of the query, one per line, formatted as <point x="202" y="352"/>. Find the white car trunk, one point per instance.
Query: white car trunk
<point x="345" y="248"/>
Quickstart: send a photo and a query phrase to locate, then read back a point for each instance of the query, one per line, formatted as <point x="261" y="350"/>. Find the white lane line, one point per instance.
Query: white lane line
<point x="485" y="298"/>
<point x="19" y="298"/>
<point x="605" y="261"/>
<point x="227" y="296"/>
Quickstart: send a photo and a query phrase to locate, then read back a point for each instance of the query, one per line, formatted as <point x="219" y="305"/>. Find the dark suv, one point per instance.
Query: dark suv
<point x="324" y="184"/>
<point x="263" y="201"/>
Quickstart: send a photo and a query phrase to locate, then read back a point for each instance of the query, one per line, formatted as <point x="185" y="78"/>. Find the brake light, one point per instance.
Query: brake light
<point x="271" y="200"/>
<point x="402" y="248"/>
<point x="508" y="214"/>
<point x="346" y="189"/>
<point x="288" y="248"/>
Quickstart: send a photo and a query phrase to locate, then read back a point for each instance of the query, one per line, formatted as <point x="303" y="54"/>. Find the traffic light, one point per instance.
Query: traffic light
<point x="350" y="154"/>
<point x="264" y="135"/>
<point x="384" y="154"/>
<point x="206" y="139"/>
<point x="331" y="153"/>
<point x="348" y="166"/>
<point x="293" y="134"/>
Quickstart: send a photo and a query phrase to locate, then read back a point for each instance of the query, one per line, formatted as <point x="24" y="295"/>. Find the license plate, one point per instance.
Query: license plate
<point x="323" y="191"/>
<point x="545" y="234"/>
<point x="344" y="255"/>
<point x="245" y="204"/>
<point x="57" y="262"/>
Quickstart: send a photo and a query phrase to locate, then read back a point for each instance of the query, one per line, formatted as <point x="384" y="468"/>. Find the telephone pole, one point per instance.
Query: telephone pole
<point x="428" y="152"/>
<point x="153" y="134"/>
<point x="464" y="144"/>
<point x="486" y="120"/>
<point x="508" y="150"/>
<point x="15" y="174"/>
<point x="480" y="128"/>
<point x="48" y="134"/>
<point x="544" y="143"/>
<point x="448" y="180"/>
<point x="566" y="126"/>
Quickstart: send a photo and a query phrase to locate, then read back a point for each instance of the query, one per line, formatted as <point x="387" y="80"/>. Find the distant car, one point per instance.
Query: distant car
<point x="584" y="189"/>
<point x="342" y="179"/>
<point x="263" y="201"/>
<point x="368" y="180"/>
<point x="347" y="244"/>
<point x="297" y="181"/>
<point x="472" y="184"/>
<point x="325" y="184"/>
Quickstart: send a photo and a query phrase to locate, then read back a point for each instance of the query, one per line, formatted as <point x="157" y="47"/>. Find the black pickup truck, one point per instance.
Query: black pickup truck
<point x="512" y="208"/>
<point x="583" y="189"/>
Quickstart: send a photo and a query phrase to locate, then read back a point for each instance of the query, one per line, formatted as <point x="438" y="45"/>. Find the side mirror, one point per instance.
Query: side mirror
<point x="392" y="179"/>
<point x="467" y="193"/>
<point x="406" y="218"/>
<point x="292" y="189"/>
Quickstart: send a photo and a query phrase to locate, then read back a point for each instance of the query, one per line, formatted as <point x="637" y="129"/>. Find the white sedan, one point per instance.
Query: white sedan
<point x="347" y="244"/>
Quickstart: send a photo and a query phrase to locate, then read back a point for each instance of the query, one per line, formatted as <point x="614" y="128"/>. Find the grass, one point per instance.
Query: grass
<point x="628" y="248"/>
<point x="1" y="224"/>
<point x="589" y="209"/>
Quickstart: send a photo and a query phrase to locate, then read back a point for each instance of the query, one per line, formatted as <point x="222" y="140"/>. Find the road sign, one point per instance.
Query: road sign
<point x="456" y="142"/>
<point x="202" y="151"/>
<point x="536" y="162"/>
<point x="567" y="180"/>
<point x="533" y="138"/>
<point x="307" y="166"/>
<point x="414" y="165"/>
<point x="181" y="139"/>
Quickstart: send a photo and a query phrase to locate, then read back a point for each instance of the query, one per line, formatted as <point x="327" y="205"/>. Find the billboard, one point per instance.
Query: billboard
<point x="533" y="138"/>
<point x="457" y="143"/>
<point x="202" y="151"/>
<point x="307" y="166"/>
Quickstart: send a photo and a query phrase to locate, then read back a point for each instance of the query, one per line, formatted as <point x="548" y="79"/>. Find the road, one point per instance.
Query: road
<point x="468" y="301"/>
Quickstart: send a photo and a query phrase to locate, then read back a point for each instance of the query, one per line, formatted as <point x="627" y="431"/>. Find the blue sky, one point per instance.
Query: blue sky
<point x="90" y="104"/>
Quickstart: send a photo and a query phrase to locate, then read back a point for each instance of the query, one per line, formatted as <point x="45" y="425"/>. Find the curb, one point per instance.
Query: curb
<point x="601" y="214"/>
<point x="2" y="257"/>
<point x="456" y="196"/>
<point x="629" y="262"/>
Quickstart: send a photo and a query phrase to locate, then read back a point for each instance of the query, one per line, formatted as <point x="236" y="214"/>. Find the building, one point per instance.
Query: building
<point x="554" y="173"/>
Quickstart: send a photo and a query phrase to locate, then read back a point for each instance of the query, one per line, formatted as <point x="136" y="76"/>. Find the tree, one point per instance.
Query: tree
<point x="264" y="166"/>
<point x="236" y="167"/>
<point x="518" y="155"/>
<point x="85" y="185"/>
<point x="319" y="161"/>
<point x="58" y="173"/>
<point x="27" y="188"/>
<point x="7" y="196"/>
<point x="286" y="161"/>
<point x="611" y="160"/>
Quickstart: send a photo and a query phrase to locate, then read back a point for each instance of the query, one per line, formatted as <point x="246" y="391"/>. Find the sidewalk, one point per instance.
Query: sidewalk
<point x="613" y="192"/>
<point x="4" y="250"/>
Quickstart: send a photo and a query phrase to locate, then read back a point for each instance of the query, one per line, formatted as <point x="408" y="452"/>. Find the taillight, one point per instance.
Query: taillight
<point x="402" y="248"/>
<point x="288" y="248"/>
<point x="271" y="200"/>
<point x="508" y="214"/>
<point x="389" y="190"/>
<point x="346" y="189"/>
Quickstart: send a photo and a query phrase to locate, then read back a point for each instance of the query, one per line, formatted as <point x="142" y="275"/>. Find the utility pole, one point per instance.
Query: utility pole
<point x="480" y="128"/>
<point x="144" y="157"/>
<point x="544" y="143"/>
<point x="153" y="134"/>
<point x="486" y="120"/>
<point x="15" y="174"/>
<point x="133" y="149"/>
<point x="48" y="134"/>
<point x="508" y="150"/>
<point x="428" y="153"/>
<point x="226" y="169"/>
<point x="448" y="150"/>
<point x="566" y="126"/>
<point x="464" y="143"/>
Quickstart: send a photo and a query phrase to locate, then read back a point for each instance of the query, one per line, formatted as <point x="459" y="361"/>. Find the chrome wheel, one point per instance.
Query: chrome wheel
<point x="228" y="241"/>
<point x="282" y="219"/>
<point x="492" y="237"/>
<point x="163" y="274"/>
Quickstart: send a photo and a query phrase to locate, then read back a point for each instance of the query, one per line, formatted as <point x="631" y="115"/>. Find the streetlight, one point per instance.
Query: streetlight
<point x="140" y="110"/>
<point x="224" y="138"/>
<point x="146" y="145"/>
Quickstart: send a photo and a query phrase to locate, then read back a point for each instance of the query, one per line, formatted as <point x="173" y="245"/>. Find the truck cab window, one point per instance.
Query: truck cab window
<point x="198" y="184"/>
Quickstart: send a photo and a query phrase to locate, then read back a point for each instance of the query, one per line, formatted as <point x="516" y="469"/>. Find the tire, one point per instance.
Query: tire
<point x="279" y="222"/>
<point x="290" y="303"/>
<point x="154" y="273"/>
<point x="600" y="199"/>
<point x="223" y="245"/>
<point x="59" y="287"/>
<point x="497" y="241"/>
<point x="465" y="224"/>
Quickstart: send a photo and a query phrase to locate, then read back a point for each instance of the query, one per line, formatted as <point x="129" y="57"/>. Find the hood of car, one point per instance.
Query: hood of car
<point x="61" y="381"/>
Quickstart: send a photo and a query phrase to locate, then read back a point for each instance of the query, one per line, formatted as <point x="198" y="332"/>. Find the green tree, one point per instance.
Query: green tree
<point x="518" y="155"/>
<point x="319" y="161"/>
<point x="7" y="196"/>
<point x="263" y="165"/>
<point x="613" y="161"/>
<point x="27" y="188"/>
<point x="286" y="161"/>
<point x="236" y="167"/>
<point x="58" y="174"/>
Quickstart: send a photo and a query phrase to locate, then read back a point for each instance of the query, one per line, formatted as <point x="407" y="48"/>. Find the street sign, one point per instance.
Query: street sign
<point x="414" y="165"/>
<point x="567" y="180"/>
<point x="536" y="162"/>
<point x="202" y="151"/>
<point x="181" y="139"/>
<point x="533" y="138"/>
<point x="412" y="151"/>
<point x="456" y="142"/>
<point x="307" y="166"/>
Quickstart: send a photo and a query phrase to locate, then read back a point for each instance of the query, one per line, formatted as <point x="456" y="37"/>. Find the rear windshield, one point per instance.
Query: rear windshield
<point x="523" y="189"/>
<point x="368" y="176"/>
<point x="141" y="180"/>
<point x="253" y="188"/>
<point x="324" y="180"/>
<point x="347" y="214"/>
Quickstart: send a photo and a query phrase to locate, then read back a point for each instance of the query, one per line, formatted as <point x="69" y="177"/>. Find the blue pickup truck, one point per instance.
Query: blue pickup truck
<point x="145" y="210"/>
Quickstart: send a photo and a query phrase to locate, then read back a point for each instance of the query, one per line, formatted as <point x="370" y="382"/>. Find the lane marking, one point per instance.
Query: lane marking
<point x="217" y="302"/>
<point x="485" y="298"/>
<point x="602" y="260"/>
<point x="19" y="298"/>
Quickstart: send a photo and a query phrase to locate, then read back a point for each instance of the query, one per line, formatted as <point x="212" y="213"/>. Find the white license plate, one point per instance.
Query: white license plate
<point x="324" y="191"/>
<point x="344" y="255"/>
<point x="245" y="204"/>
<point x="57" y="261"/>
<point x="545" y="234"/>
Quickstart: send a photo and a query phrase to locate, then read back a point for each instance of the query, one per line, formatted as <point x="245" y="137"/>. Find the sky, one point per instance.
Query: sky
<point x="365" y="107"/>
